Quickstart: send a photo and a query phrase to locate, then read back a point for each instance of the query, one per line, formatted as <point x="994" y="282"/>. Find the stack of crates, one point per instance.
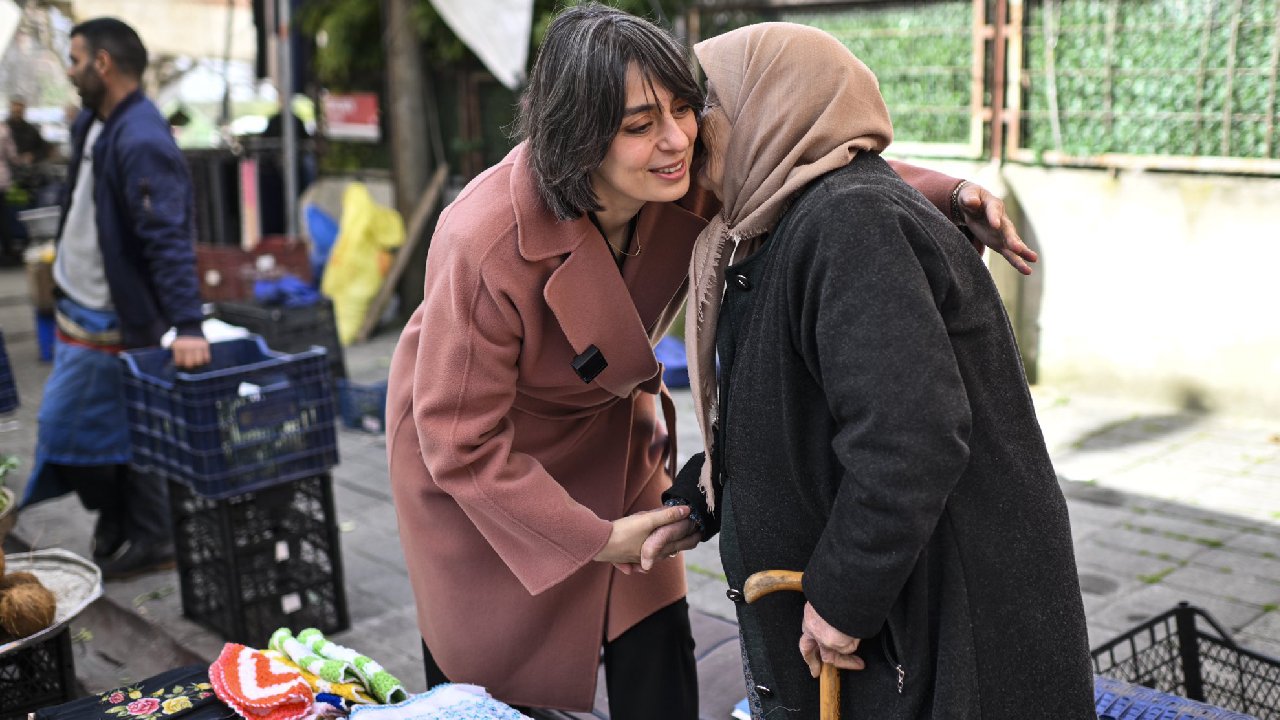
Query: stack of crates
<point x="8" y="389"/>
<point x="245" y="446"/>
<point x="1182" y="665"/>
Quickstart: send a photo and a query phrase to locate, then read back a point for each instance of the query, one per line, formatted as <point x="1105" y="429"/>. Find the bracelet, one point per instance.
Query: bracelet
<point x="694" y="516"/>
<point x="957" y="215"/>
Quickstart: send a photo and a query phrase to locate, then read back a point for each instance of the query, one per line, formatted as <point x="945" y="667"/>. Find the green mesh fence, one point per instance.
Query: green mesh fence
<point x="1152" y="77"/>
<point x="922" y="54"/>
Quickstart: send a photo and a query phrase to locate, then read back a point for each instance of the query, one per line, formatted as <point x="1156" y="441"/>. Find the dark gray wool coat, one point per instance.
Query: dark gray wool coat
<point x="876" y="432"/>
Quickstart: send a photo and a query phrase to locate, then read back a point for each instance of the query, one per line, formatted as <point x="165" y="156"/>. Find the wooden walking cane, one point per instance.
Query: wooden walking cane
<point x="769" y="581"/>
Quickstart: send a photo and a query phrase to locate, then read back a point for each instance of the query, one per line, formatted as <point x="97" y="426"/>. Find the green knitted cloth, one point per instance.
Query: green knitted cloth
<point x="335" y="663"/>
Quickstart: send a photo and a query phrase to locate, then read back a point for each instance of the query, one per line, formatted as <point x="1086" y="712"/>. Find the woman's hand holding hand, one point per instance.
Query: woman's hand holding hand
<point x="629" y="534"/>
<point x="985" y="215"/>
<point x="668" y="540"/>
<point x="821" y="643"/>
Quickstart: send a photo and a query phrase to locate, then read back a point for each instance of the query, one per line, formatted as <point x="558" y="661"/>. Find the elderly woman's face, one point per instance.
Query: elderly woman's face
<point x="649" y="158"/>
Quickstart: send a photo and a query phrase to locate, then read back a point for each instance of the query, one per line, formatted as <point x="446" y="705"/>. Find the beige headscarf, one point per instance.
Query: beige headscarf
<point x="799" y="105"/>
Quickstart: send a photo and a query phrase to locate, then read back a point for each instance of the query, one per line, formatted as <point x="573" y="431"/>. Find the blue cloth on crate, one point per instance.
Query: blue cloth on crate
<point x="82" y="419"/>
<point x="287" y="291"/>
<point x="675" y="365"/>
<point x="323" y="230"/>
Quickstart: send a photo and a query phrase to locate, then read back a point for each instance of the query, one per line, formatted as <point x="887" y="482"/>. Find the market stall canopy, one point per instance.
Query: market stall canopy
<point x="497" y="31"/>
<point x="191" y="28"/>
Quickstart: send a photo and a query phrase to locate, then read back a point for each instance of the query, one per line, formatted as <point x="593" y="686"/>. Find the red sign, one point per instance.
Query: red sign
<point x="351" y="117"/>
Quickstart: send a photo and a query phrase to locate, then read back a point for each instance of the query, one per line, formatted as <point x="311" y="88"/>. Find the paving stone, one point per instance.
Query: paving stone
<point x="1265" y="646"/>
<point x="721" y="682"/>
<point x="1143" y="603"/>
<point x="1240" y="562"/>
<point x="1150" y="543"/>
<point x="1267" y="626"/>
<point x="1235" y="586"/>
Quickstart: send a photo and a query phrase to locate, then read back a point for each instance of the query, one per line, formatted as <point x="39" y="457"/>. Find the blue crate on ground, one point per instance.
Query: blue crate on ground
<point x="253" y="418"/>
<point x="363" y="407"/>
<point x="8" y="389"/>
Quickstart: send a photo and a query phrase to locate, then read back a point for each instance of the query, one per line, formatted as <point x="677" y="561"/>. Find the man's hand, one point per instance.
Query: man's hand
<point x="629" y="534"/>
<point x="821" y="643"/>
<point x="985" y="215"/>
<point x="666" y="541"/>
<point x="190" y="351"/>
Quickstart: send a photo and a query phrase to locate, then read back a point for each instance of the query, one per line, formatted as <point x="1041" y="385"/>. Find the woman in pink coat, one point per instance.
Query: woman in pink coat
<point x="527" y="457"/>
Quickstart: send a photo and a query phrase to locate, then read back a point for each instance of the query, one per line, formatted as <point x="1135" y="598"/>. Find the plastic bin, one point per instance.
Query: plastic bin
<point x="256" y="417"/>
<point x="37" y="676"/>
<point x="1186" y="653"/>
<point x="261" y="560"/>
<point x="363" y="407"/>
<point x="8" y="389"/>
<point x="291" y="329"/>
<point x="46" y="335"/>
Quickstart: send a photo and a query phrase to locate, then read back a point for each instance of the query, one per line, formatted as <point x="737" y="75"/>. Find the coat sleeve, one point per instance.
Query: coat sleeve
<point x="463" y="389"/>
<point x="158" y="196"/>
<point x="935" y="186"/>
<point x="872" y="333"/>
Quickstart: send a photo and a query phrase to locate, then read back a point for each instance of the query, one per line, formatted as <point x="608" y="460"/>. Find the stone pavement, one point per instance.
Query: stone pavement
<point x="1167" y="504"/>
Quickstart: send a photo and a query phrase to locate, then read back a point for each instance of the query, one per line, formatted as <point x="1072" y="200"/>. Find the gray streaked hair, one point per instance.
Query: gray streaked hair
<point x="577" y="93"/>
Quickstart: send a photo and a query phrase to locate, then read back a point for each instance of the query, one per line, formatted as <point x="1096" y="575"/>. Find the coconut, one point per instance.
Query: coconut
<point x="26" y="609"/>
<point x="17" y="578"/>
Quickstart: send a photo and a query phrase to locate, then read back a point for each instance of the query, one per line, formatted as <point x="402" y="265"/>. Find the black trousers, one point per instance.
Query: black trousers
<point x="649" y="671"/>
<point x="131" y="506"/>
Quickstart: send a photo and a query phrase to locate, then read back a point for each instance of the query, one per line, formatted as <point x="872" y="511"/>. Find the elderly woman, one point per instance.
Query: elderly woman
<point x="526" y="455"/>
<point x="871" y="425"/>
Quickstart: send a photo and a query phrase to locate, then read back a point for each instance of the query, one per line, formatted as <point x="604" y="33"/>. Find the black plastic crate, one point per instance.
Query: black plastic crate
<point x="290" y="329"/>
<point x="259" y="561"/>
<point x="37" y="676"/>
<point x="1186" y="653"/>
<point x="363" y="406"/>
<point x="8" y="389"/>
<point x="254" y="418"/>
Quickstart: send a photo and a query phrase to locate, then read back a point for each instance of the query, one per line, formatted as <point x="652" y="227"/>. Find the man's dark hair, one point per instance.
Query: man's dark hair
<point x="577" y="93"/>
<point x="119" y="40"/>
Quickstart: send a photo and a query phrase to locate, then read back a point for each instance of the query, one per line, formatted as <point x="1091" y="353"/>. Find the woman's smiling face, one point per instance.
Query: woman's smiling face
<point x="649" y="158"/>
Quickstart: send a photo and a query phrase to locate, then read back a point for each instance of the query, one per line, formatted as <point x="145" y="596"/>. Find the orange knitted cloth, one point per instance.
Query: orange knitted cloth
<point x="257" y="687"/>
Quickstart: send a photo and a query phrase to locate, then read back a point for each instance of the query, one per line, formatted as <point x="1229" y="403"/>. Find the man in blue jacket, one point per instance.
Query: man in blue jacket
<point x="125" y="273"/>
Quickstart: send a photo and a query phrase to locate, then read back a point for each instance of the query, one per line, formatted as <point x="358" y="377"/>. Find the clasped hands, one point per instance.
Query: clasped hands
<point x="638" y="541"/>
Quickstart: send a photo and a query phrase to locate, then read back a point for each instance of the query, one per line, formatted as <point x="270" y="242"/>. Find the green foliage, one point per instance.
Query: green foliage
<point x="922" y="56"/>
<point x="1152" y="77"/>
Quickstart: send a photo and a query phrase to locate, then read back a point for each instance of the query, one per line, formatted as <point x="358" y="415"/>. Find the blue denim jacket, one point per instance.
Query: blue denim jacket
<point x="145" y="218"/>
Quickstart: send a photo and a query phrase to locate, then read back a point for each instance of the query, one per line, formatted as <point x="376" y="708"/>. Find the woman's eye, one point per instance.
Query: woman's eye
<point x="640" y="129"/>
<point x="681" y="110"/>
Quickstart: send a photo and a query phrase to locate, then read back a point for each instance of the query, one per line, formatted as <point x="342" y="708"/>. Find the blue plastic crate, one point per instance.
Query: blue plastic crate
<point x="1117" y="700"/>
<point x="363" y="407"/>
<point x="675" y="365"/>
<point x="254" y="418"/>
<point x="8" y="390"/>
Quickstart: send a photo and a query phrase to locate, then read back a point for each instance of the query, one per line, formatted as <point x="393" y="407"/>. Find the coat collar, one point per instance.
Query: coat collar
<point x="594" y="303"/>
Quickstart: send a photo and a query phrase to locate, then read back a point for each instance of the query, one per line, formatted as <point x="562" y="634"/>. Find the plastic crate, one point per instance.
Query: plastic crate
<point x="255" y="418"/>
<point x="1116" y="700"/>
<point x="259" y="561"/>
<point x="37" y="676"/>
<point x="1186" y="653"/>
<point x="363" y="407"/>
<point x="8" y="389"/>
<point x="289" y="330"/>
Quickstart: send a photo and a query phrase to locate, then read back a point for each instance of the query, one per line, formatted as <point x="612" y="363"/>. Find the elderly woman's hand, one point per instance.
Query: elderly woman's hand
<point x="630" y="533"/>
<point x="986" y="218"/>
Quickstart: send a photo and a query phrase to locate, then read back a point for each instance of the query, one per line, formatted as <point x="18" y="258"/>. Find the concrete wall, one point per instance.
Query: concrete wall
<point x="1155" y="285"/>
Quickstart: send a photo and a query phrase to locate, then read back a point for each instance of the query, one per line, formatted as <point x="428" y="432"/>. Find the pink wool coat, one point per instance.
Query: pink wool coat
<point x="505" y="466"/>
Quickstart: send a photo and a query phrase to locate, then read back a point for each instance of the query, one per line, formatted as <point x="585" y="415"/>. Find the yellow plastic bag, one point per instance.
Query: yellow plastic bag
<point x="360" y="259"/>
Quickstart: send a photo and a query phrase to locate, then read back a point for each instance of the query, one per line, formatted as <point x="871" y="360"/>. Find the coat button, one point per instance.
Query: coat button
<point x="742" y="281"/>
<point x="764" y="692"/>
<point x="735" y="595"/>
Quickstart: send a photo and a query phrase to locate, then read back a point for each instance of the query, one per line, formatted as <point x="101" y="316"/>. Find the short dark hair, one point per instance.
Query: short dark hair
<point x="119" y="40"/>
<point x="577" y="93"/>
